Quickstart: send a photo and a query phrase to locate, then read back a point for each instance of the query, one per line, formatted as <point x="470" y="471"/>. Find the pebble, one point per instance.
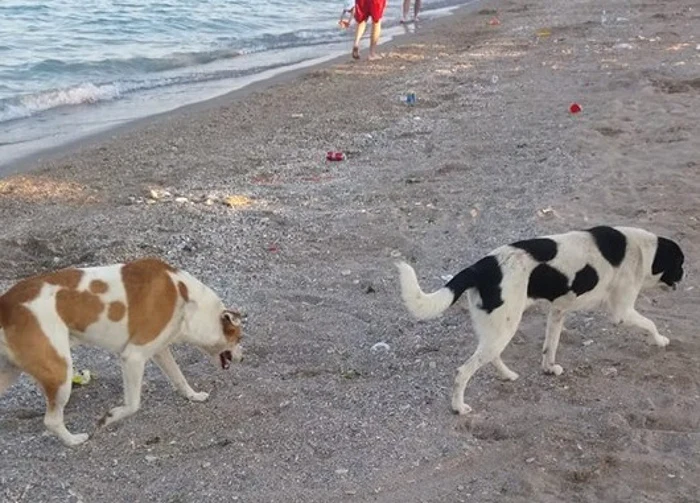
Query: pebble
<point x="150" y="458"/>
<point x="341" y="471"/>
<point x="610" y="372"/>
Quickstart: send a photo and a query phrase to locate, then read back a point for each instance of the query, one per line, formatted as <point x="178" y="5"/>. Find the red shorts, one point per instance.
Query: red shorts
<point x="364" y="9"/>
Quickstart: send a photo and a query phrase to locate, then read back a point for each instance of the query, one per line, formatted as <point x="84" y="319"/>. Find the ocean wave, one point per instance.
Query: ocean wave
<point x="28" y="105"/>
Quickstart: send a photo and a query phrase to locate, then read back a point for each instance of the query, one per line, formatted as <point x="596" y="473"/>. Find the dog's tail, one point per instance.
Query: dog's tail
<point x="431" y="305"/>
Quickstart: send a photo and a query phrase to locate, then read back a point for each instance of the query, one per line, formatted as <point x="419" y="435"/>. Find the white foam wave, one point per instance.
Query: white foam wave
<point x="83" y="94"/>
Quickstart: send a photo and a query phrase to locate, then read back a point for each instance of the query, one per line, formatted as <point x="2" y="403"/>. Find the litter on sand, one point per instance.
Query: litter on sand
<point x="82" y="378"/>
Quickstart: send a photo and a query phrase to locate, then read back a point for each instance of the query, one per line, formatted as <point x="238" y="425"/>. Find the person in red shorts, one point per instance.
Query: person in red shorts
<point x="365" y="9"/>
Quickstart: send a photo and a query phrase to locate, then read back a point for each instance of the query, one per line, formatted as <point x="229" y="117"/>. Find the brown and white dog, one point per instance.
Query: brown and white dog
<point x="137" y="310"/>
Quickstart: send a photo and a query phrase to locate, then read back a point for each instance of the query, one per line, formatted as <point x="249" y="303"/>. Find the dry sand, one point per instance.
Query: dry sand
<point x="313" y="414"/>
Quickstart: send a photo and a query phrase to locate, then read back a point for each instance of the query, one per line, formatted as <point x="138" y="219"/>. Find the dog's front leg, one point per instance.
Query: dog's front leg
<point x="132" y="374"/>
<point x="633" y="318"/>
<point x="555" y="323"/>
<point x="164" y="359"/>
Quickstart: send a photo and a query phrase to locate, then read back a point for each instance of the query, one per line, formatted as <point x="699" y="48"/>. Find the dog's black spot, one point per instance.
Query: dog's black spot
<point x="486" y="276"/>
<point x="540" y="249"/>
<point x="546" y="282"/>
<point x="611" y="243"/>
<point x="668" y="261"/>
<point x="585" y="280"/>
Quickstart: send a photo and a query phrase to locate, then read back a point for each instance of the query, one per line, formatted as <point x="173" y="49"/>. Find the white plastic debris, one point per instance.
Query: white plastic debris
<point x="380" y="345"/>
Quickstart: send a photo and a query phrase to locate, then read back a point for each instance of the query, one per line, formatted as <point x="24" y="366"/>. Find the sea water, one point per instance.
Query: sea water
<point x="70" y="68"/>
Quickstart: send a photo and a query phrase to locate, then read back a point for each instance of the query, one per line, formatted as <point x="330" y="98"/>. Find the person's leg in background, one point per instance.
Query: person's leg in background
<point x="377" y="12"/>
<point x="374" y="40"/>
<point x="359" y="31"/>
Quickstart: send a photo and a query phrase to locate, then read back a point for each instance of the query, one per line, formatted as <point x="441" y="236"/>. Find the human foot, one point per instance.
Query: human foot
<point x="355" y="53"/>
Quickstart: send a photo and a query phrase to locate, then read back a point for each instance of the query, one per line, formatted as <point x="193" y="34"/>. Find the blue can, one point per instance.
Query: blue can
<point x="411" y="98"/>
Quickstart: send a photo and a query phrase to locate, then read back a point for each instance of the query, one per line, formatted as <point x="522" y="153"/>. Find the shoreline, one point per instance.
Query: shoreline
<point x="26" y="163"/>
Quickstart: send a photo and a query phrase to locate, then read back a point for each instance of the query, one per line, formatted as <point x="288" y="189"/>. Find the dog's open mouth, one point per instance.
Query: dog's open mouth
<point x="225" y="358"/>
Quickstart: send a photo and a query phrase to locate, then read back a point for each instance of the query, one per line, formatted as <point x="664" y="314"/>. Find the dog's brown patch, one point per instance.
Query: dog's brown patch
<point x="150" y="296"/>
<point x="69" y="278"/>
<point x="97" y="286"/>
<point x="78" y="310"/>
<point x="32" y="349"/>
<point x="116" y="311"/>
<point x="232" y="330"/>
<point x="184" y="293"/>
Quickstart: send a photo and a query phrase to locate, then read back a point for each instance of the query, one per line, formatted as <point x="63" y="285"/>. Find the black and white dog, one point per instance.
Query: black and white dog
<point x="578" y="270"/>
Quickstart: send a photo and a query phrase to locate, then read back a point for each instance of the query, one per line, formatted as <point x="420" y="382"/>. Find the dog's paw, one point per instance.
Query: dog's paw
<point x="461" y="408"/>
<point x="115" y="415"/>
<point x="76" y="439"/>
<point x="554" y="369"/>
<point x="510" y="376"/>
<point x="661" y="341"/>
<point x="199" y="396"/>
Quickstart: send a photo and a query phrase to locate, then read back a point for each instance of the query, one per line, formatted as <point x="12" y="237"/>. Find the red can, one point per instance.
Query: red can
<point x="335" y="156"/>
<point x="575" y="108"/>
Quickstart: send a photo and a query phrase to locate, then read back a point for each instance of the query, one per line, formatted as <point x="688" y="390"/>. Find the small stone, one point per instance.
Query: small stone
<point x="351" y="493"/>
<point x="206" y="464"/>
<point x="529" y="460"/>
<point x="346" y="272"/>
<point x="150" y="458"/>
<point x="432" y="365"/>
<point x="153" y="194"/>
<point x="341" y="471"/>
<point x="209" y="202"/>
<point x="671" y="476"/>
<point x="610" y="372"/>
<point x="588" y="342"/>
<point x="181" y="200"/>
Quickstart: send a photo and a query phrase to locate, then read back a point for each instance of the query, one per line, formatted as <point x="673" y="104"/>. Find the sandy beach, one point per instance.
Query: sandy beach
<point x="238" y="192"/>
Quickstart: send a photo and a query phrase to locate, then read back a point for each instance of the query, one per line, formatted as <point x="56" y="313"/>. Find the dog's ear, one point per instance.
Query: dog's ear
<point x="231" y="317"/>
<point x="668" y="261"/>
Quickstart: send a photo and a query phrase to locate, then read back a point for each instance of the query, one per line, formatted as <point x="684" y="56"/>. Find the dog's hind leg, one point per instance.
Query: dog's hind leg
<point x="555" y="323"/>
<point x="494" y="335"/>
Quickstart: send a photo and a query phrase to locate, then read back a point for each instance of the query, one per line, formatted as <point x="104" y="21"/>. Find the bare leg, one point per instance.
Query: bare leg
<point x="406" y="7"/>
<point x="132" y="373"/>
<point x="374" y="40"/>
<point x="555" y="322"/>
<point x="416" y="9"/>
<point x="634" y="319"/>
<point x="359" y="31"/>
<point x="503" y="371"/>
<point x="164" y="359"/>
